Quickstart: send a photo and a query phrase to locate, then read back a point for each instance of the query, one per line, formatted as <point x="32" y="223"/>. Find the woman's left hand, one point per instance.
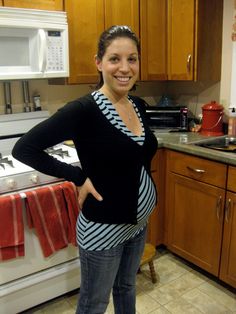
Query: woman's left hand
<point x="85" y="189"/>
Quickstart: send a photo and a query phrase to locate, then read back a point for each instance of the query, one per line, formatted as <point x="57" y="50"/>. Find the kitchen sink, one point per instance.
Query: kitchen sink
<point x="224" y="143"/>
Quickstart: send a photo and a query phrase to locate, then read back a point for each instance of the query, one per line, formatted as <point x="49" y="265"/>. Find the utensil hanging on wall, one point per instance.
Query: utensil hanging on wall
<point x="26" y="97"/>
<point x="7" y="97"/>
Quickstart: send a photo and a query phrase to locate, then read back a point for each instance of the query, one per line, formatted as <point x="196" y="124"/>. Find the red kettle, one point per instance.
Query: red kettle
<point x="212" y="119"/>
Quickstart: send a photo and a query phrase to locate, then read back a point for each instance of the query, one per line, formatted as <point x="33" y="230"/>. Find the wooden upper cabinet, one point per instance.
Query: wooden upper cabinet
<point x="153" y="37"/>
<point x="194" y="39"/>
<point x="181" y="20"/>
<point x="87" y="20"/>
<point x="1" y="3"/>
<point x="56" y="5"/>
<point x="125" y="12"/>
<point x="209" y="40"/>
<point x="86" y="23"/>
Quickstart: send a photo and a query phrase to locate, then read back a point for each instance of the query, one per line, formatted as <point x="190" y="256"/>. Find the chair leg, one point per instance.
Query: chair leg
<point x="152" y="272"/>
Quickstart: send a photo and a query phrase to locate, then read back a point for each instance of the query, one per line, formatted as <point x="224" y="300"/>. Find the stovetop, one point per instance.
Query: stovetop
<point x="20" y="176"/>
<point x="14" y="175"/>
<point x="10" y="166"/>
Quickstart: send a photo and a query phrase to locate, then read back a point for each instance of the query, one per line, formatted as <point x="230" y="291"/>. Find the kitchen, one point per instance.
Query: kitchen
<point x="193" y="94"/>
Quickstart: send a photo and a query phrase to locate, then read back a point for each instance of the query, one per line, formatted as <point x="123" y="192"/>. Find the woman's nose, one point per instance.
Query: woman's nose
<point x="124" y="65"/>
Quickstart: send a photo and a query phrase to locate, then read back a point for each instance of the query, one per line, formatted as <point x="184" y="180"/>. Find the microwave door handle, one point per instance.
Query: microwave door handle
<point x="42" y="50"/>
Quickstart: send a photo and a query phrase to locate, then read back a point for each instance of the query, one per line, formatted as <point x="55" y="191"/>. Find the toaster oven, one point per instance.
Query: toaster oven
<point x="172" y="117"/>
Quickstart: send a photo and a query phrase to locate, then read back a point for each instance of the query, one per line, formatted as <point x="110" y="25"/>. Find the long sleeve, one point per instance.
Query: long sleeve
<point x="30" y="148"/>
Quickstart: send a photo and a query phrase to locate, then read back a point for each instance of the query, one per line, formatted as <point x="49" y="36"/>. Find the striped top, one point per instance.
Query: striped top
<point x="101" y="236"/>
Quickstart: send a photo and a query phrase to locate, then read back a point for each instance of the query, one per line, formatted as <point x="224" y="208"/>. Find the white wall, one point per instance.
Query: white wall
<point x="226" y="65"/>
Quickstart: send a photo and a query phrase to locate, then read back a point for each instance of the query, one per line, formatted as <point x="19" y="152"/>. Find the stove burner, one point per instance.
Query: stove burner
<point x="57" y="152"/>
<point x="5" y="160"/>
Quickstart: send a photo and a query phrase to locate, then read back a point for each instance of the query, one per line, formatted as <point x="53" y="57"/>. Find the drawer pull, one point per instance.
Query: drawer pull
<point x="196" y="170"/>
<point x="227" y="210"/>
<point x="218" y="207"/>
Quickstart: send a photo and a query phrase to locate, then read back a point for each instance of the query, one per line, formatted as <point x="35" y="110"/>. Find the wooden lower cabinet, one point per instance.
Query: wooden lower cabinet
<point x="195" y="221"/>
<point x="156" y="222"/>
<point x="228" y="255"/>
<point x="200" y="205"/>
<point x="195" y="197"/>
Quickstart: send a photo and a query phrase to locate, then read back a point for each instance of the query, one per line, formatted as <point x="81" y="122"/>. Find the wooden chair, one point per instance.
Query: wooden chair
<point x="148" y="256"/>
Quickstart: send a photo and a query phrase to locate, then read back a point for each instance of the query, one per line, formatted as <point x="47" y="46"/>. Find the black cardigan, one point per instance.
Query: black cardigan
<point x="112" y="160"/>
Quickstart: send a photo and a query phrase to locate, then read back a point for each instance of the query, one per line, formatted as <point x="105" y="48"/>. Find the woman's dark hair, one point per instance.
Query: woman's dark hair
<point x="108" y="36"/>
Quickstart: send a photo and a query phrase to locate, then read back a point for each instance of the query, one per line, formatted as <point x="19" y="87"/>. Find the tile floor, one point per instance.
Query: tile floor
<point x="180" y="289"/>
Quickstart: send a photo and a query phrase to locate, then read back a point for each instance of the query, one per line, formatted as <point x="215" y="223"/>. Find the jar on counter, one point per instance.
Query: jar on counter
<point x="212" y="119"/>
<point x="232" y="122"/>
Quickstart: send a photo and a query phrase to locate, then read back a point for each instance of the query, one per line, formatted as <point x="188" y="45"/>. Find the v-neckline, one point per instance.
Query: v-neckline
<point x="122" y="126"/>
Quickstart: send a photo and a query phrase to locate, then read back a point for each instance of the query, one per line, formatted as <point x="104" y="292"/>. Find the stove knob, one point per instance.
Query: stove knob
<point x="34" y="178"/>
<point x="11" y="183"/>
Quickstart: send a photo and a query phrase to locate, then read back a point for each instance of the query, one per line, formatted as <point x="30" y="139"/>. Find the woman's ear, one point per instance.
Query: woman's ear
<point x="98" y="63"/>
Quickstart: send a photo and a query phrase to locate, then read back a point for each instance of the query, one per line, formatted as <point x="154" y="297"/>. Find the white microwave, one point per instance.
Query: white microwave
<point x="33" y="44"/>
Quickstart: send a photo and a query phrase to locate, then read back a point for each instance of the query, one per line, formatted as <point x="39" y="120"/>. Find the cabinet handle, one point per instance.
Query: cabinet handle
<point x="227" y="210"/>
<point x="218" y="207"/>
<point x="189" y="63"/>
<point x="196" y="170"/>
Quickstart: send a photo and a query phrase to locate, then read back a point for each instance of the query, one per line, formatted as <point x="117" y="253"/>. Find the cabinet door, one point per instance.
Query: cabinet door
<point x="156" y="222"/>
<point x="195" y="213"/>
<point x="153" y="35"/>
<point x="1" y="3"/>
<point x="231" y="182"/>
<point x="228" y="257"/>
<point x="181" y="19"/>
<point x="125" y="12"/>
<point x="35" y="4"/>
<point x="86" y="23"/>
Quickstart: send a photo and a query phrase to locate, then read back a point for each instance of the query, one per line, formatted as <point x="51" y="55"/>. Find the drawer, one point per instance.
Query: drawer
<point x="231" y="182"/>
<point x="197" y="168"/>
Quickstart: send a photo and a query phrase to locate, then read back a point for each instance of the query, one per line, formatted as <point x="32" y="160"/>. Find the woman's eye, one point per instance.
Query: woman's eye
<point x="132" y="59"/>
<point x="114" y="59"/>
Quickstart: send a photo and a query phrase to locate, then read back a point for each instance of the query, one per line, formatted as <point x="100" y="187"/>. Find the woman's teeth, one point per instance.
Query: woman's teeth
<point x="122" y="79"/>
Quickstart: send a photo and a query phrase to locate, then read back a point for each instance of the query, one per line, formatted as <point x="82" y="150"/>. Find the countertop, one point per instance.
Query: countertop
<point x="184" y="142"/>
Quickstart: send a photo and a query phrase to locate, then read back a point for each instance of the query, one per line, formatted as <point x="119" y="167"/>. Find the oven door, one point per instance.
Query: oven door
<point x="33" y="279"/>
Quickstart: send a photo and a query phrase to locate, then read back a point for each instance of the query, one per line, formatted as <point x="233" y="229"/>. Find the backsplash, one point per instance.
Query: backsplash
<point x="55" y="96"/>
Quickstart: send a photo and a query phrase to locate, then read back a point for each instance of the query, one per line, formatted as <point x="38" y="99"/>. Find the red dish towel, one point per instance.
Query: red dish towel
<point x="11" y="227"/>
<point x="47" y="213"/>
<point x="72" y="203"/>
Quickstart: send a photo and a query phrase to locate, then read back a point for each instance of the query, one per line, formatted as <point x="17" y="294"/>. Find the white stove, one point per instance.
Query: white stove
<point x="37" y="278"/>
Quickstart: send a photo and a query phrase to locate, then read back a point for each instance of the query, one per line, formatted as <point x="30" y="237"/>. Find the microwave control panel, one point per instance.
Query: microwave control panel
<point x="55" y="51"/>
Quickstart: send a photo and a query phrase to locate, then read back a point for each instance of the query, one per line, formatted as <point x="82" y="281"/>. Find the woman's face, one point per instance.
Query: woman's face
<point x="120" y="65"/>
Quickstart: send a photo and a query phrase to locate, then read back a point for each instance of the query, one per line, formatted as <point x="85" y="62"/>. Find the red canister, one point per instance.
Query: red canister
<point x="212" y="119"/>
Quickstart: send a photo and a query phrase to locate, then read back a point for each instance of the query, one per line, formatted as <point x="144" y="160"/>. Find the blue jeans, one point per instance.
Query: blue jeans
<point x="110" y="270"/>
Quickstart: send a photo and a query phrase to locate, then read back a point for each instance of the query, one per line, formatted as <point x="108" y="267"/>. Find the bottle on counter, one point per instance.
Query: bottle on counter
<point x="26" y="97"/>
<point x="7" y="96"/>
<point x="37" y="102"/>
<point x="232" y="122"/>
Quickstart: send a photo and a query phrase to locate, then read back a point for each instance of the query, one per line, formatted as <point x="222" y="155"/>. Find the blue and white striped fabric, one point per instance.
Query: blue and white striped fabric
<point x="99" y="236"/>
